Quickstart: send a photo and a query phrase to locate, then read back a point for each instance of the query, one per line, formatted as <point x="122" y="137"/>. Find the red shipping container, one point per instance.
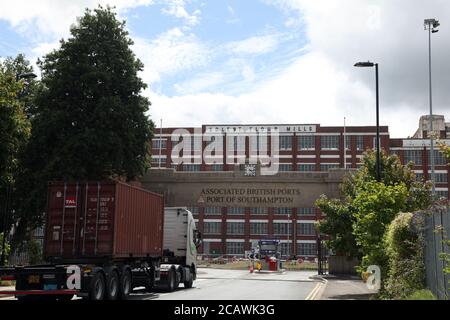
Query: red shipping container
<point x="103" y="220"/>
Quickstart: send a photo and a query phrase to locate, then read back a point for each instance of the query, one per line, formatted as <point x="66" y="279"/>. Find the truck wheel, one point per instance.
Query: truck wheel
<point x="177" y="279"/>
<point x="98" y="287"/>
<point x="171" y="279"/>
<point x="125" y="285"/>
<point x="112" y="286"/>
<point x="188" y="284"/>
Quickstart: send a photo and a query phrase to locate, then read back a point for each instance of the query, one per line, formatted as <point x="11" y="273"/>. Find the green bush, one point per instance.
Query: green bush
<point x="404" y="248"/>
<point x="421" y="295"/>
<point x="7" y="248"/>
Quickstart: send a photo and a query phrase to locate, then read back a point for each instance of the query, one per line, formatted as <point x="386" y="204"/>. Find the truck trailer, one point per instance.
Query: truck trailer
<point x="103" y="239"/>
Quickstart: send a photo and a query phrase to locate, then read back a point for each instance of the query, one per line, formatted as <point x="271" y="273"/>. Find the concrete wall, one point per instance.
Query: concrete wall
<point x="233" y="189"/>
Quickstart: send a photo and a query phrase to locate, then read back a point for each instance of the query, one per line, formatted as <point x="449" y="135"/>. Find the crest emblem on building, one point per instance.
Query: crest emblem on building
<point x="250" y="170"/>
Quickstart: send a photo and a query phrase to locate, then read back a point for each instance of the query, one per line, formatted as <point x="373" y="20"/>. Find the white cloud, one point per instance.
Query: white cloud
<point x="390" y="33"/>
<point x="297" y="96"/>
<point x="177" y="9"/>
<point x="322" y="86"/>
<point x="53" y="18"/>
<point x="255" y="45"/>
<point x="171" y="52"/>
<point x="200" y="83"/>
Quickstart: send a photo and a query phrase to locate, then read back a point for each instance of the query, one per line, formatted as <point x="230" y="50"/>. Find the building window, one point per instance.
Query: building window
<point x="213" y="210"/>
<point x="259" y="228"/>
<point x="196" y="143"/>
<point x="218" y="146"/>
<point x="212" y="228"/>
<point x="395" y="152"/>
<point x="233" y="210"/>
<point x="348" y="142"/>
<point x="375" y="142"/>
<point x="442" y="194"/>
<point x="285" y="249"/>
<point x="281" y="228"/>
<point x="440" y="177"/>
<point x="306" y="211"/>
<point x="235" y="228"/>
<point x="413" y="155"/>
<point x="194" y="210"/>
<point x="282" y="210"/>
<point x="329" y="142"/>
<point x="285" y="142"/>
<point x="306" y="249"/>
<point x="360" y="143"/>
<point x="216" y="167"/>
<point x="258" y="211"/>
<point x="439" y="158"/>
<point x="306" y="143"/>
<point x="328" y="166"/>
<point x="306" y="229"/>
<point x="284" y="167"/>
<point x="191" y="167"/>
<point x="235" y="248"/>
<point x="155" y="162"/>
<point x="157" y="142"/>
<point x="307" y="167"/>
<point x="254" y="141"/>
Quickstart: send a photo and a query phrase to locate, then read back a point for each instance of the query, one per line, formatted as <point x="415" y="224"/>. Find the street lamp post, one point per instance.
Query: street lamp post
<point x="378" y="162"/>
<point x="20" y="76"/>
<point x="431" y="25"/>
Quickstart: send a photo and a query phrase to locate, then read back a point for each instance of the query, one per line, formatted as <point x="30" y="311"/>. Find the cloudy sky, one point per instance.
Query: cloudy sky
<point x="265" y="61"/>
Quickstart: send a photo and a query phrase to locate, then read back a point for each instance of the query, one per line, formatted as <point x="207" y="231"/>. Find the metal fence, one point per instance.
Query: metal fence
<point x="437" y="230"/>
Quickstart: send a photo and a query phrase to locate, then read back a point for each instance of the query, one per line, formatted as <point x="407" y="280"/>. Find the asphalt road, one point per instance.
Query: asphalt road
<point x="218" y="284"/>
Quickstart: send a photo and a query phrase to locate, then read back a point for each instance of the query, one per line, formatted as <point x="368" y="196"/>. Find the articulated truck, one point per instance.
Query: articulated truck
<point x="103" y="239"/>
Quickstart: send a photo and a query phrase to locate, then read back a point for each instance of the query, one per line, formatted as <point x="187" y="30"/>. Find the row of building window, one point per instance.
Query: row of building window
<point x="285" y="143"/>
<point x="303" y="249"/>
<point x="438" y="177"/>
<point x="416" y="156"/>
<point x="259" y="228"/>
<point x="307" y="211"/>
<point x="283" y="167"/>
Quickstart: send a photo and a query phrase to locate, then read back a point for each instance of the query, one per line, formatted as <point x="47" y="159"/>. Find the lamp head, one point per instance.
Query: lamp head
<point x="364" y="64"/>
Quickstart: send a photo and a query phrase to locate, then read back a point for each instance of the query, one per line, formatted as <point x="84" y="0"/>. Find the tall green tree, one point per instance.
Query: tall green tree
<point x="90" y="118"/>
<point x="14" y="133"/>
<point x="356" y="223"/>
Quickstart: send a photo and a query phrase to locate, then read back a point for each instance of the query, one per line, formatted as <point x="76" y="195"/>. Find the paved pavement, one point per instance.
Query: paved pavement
<point x="219" y="284"/>
<point x="345" y="288"/>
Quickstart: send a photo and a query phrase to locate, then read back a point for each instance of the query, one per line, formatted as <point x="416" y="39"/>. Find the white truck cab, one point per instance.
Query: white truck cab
<point x="181" y="240"/>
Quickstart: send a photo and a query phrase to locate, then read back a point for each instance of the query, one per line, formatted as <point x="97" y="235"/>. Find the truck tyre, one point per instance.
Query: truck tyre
<point x="177" y="278"/>
<point x="98" y="287"/>
<point x="112" y="286"/>
<point x="125" y="285"/>
<point x="171" y="280"/>
<point x="188" y="284"/>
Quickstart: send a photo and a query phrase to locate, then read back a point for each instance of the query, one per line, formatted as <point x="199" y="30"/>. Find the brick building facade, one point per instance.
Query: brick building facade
<point x="235" y="204"/>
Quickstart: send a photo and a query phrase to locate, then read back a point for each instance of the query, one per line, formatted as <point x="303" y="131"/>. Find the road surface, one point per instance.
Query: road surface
<point x="219" y="284"/>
